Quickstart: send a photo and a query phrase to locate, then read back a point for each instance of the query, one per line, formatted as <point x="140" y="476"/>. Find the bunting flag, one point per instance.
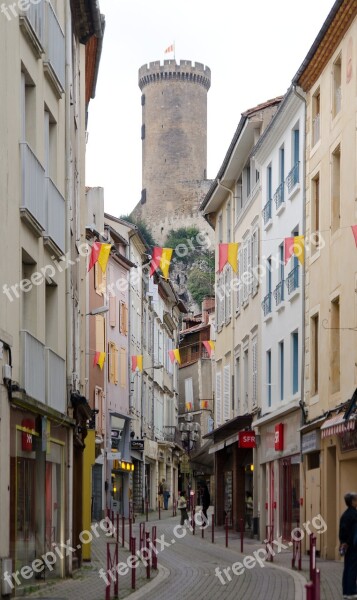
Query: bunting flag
<point x="99" y="359"/>
<point x="204" y="403"/>
<point x="209" y="345"/>
<point x="137" y="362"/>
<point x="354" y="231"/>
<point x="161" y="258"/>
<point x="175" y="355"/>
<point x="170" y="48"/>
<point x="100" y="253"/>
<point x="228" y="253"/>
<point x="294" y="245"/>
<point x="188" y="406"/>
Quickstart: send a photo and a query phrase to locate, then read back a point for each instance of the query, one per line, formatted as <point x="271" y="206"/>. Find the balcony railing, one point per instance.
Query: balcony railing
<point x="55" y="215"/>
<point x="279" y="195"/>
<point x="33" y="186"/>
<point x="34" y="17"/>
<point x="267" y="212"/>
<point x="266" y="304"/>
<point x="292" y="280"/>
<point x="55" y="381"/>
<point x="33" y="366"/>
<point x="279" y="293"/>
<point x="293" y="177"/>
<point x="55" y="46"/>
<point x="316" y="129"/>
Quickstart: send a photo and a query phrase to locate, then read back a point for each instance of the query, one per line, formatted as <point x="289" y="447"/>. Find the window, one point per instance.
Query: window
<point x="188" y="393"/>
<point x="218" y="399"/>
<point x="268" y="378"/>
<point x="112" y="363"/>
<point x="246" y="381"/>
<point x="226" y="392"/>
<point x="227" y="294"/>
<point x="314" y="355"/>
<point x="255" y="371"/>
<point x="112" y="311"/>
<point x="123" y="318"/>
<point x="28" y="112"/>
<point x="122" y="366"/>
<point x="315" y="213"/>
<point x="220" y="229"/>
<point x="281" y="164"/>
<point x="281" y="370"/>
<point x="51" y="315"/>
<point x="239" y="201"/>
<point x="335" y="346"/>
<point x="99" y="406"/>
<point x="336" y="100"/>
<point x="100" y="280"/>
<point x="245" y="269"/>
<point x="269" y="275"/>
<point x="296" y="146"/>
<point x="255" y="260"/>
<point x="248" y="184"/>
<point x="144" y="328"/>
<point x="316" y="117"/>
<point x="336" y="190"/>
<point x="237" y="385"/>
<point x="269" y="184"/>
<point x="99" y="333"/>
<point x="295" y="361"/>
<point x="229" y="217"/>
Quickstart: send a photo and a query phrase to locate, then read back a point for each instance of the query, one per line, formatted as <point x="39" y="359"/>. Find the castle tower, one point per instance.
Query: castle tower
<point x="174" y="145"/>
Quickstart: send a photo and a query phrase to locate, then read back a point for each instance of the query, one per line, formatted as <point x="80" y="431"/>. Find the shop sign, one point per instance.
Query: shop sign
<point x="246" y="439"/>
<point x="27" y="438"/>
<point x="137" y="444"/>
<point x="279" y="437"/>
<point x="310" y="441"/>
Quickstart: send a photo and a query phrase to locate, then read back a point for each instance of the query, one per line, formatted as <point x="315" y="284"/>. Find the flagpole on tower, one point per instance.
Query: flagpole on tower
<point x="174" y="52"/>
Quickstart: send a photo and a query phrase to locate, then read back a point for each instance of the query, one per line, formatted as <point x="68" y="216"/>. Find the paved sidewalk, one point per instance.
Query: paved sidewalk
<point x="188" y="569"/>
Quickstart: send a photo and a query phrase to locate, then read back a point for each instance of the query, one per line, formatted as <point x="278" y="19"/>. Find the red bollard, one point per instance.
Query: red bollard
<point x="153" y="547"/>
<point x="226" y="525"/>
<point x="133" y="569"/>
<point x="147" y="509"/>
<point x="193" y="522"/>
<point x="317" y="584"/>
<point x="117" y="528"/>
<point x="130" y="527"/>
<point x="159" y="510"/>
<point x="309" y="587"/>
<point x="142" y="534"/>
<point x="312" y="556"/>
<point x="112" y="563"/>
<point x="241" y="522"/>
<point x="212" y="529"/>
<point x="147" y="546"/>
<point x="122" y="530"/>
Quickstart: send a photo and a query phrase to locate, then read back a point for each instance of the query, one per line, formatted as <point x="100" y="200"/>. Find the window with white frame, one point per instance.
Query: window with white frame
<point x="255" y="371"/>
<point x="238" y="198"/>
<point x="226" y="392"/>
<point x="228" y="221"/>
<point x="255" y="260"/>
<point x="237" y="380"/>
<point x="188" y="393"/>
<point x="246" y="380"/>
<point x="227" y="293"/>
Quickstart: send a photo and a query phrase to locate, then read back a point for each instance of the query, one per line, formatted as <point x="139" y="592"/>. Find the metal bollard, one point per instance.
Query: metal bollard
<point x="159" y="510"/>
<point x="312" y="556"/>
<point x="317" y="584"/>
<point x="130" y="527"/>
<point x="133" y="569"/>
<point x="122" y="530"/>
<point x="153" y="547"/>
<point x="226" y="526"/>
<point x="147" y="546"/>
<point x="147" y="510"/>
<point x="309" y="587"/>
<point x="241" y="523"/>
<point x="142" y="534"/>
<point x="112" y="563"/>
<point x="212" y="529"/>
<point x="117" y="528"/>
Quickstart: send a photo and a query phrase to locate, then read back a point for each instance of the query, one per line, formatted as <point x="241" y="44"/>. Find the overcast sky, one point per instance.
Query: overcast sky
<point x="253" y="49"/>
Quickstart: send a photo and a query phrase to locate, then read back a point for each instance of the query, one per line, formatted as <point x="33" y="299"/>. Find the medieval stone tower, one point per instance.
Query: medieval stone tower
<point x="174" y="145"/>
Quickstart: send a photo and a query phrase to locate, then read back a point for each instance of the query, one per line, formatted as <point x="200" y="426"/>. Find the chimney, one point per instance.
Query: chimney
<point x="208" y="306"/>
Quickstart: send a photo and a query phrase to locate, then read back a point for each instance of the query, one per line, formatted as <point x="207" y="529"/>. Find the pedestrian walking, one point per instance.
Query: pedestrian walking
<point x="182" y="506"/>
<point x="166" y="494"/>
<point x="160" y="492"/>
<point x="248" y="509"/>
<point x="205" y="500"/>
<point x="348" y="547"/>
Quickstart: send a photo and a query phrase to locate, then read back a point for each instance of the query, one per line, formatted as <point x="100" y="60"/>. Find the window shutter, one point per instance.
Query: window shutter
<point x="112" y="311"/>
<point x="249" y="266"/>
<point x="255" y="260"/>
<point x="218" y="399"/>
<point x="188" y="391"/>
<point x="116" y="364"/>
<point x="239" y="271"/>
<point x="99" y="334"/>
<point x="245" y="268"/>
<point x="122" y="366"/>
<point x="226" y="392"/>
<point x="255" y="371"/>
<point x="125" y="319"/>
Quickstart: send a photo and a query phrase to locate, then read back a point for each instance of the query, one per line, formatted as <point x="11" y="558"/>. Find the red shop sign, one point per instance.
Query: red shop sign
<point x="247" y="439"/>
<point x="279" y="437"/>
<point x="27" y="437"/>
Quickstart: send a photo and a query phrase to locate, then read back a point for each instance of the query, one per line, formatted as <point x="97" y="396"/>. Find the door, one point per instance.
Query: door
<point x="313" y="498"/>
<point x="97" y="492"/>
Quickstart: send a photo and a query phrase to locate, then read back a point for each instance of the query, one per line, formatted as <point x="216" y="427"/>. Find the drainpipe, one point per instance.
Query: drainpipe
<point x="69" y="314"/>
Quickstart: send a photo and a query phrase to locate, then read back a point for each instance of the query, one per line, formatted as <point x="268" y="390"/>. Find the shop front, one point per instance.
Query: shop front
<point x="279" y="459"/>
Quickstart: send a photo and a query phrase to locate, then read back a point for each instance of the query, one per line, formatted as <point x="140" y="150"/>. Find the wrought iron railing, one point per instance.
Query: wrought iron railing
<point x="266" y="304"/>
<point x="279" y="293"/>
<point x="292" y="280"/>
<point x="267" y="212"/>
<point x="279" y="195"/>
<point x="293" y="177"/>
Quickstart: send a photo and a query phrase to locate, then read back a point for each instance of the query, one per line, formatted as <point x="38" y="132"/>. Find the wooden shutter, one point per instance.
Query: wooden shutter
<point x="112" y="311"/>
<point x="99" y="334"/>
<point x="226" y="392"/>
<point x="255" y="260"/>
<point x="122" y="366"/>
<point x="116" y="364"/>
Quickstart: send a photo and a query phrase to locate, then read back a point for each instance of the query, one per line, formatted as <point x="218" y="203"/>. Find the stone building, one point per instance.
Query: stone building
<point x="174" y="145"/>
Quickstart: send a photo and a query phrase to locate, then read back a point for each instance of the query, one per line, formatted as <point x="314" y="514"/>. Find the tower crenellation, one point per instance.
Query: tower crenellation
<point x="185" y="70"/>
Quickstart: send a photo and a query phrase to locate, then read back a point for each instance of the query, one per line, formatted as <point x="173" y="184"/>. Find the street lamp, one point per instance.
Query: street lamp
<point x="98" y="311"/>
<point x="190" y="432"/>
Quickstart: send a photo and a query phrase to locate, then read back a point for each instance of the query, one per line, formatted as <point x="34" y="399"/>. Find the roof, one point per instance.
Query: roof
<point x="334" y="28"/>
<point x="229" y="428"/>
<point x="244" y="118"/>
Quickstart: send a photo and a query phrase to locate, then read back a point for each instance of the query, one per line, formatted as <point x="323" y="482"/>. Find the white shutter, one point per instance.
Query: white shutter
<point x="218" y="399"/>
<point x="245" y="265"/>
<point x="255" y="371"/>
<point x="239" y="272"/>
<point x="249" y="265"/>
<point x="188" y="390"/>
<point x="226" y="392"/>
<point x="255" y="260"/>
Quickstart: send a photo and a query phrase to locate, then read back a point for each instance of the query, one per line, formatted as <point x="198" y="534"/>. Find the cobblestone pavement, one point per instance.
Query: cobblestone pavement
<point x="187" y="566"/>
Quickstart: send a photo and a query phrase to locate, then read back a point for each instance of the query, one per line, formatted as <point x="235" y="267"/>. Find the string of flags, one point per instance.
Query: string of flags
<point x="161" y="259"/>
<point x="228" y="253"/>
<point x="294" y="245"/>
<point x="99" y="359"/>
<point x="175" y="355"/>
<point x="100" y="254"/>
<point x="137" y="362"/>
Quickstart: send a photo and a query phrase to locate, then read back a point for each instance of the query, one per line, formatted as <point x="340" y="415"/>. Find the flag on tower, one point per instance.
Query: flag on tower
<point x="170" y="48"/>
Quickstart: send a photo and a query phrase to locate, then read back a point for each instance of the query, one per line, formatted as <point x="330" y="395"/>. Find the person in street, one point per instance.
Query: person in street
<point x="182" y="506"/>
<point x="205" y="500"/>
<point x="348" y="547"/>
<point x="166" y="493"/>
<point x="248" y="509"/>
<point x="160" y="492"/>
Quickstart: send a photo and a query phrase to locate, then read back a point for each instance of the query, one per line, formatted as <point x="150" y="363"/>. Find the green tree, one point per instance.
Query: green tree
<point x="200" y="280"/>
<point x="143" y="228"/>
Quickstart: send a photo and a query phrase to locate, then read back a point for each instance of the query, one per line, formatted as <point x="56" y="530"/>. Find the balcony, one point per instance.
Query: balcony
<point x="33" y="207"/>
<point x="267" y="212"/>
<point x="293" y="177"/>
<point x="266" y="304"/>
<point x="54" y="63"/>
<point x="32" y="23"/>
<point x="172" y="434"/>
<point x="55" y="381"/>
<point x="316" y="129"/>
<point x="55" y="230"/>
<point x="33" y="366"/>
<point x="292" y="280"/>
<point x="279" y="293"/>
<point x="279" y="196"/>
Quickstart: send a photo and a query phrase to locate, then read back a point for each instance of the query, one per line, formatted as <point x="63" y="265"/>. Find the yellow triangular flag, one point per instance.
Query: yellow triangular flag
<point x="104" y="255"/>
<point x="299" y="247"/>
<point x="101" y="359"/>
<point x="233" y="255"/>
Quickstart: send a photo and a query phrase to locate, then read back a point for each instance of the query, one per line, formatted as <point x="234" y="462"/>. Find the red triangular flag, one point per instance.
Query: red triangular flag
<point x="354" y="231"/>
<point x="94" y="255"/>
<point x="96" y="358"/>
<point x="155" y="261"/>
<point x="288" y="248"/>
<point x="134" y="362"/>
<point x="222" y="256"/>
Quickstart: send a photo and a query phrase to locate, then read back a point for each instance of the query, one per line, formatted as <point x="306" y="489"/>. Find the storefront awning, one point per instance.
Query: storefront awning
<point x="336" y="425"/>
